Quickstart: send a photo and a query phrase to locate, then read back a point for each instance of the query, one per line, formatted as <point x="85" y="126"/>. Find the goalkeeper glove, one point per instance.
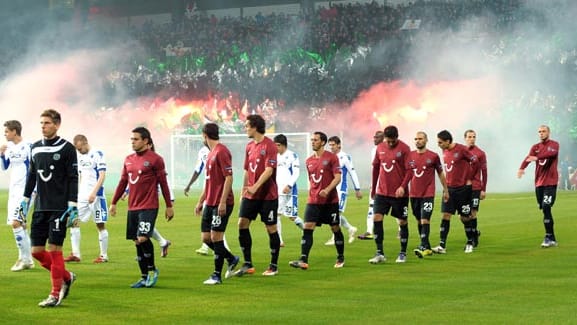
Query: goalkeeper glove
<point x="23" y="209"/>
<point x="70" y="215"/>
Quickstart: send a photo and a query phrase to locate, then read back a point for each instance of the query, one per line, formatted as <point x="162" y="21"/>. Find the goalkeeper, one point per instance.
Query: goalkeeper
<point x="53" y="172"/>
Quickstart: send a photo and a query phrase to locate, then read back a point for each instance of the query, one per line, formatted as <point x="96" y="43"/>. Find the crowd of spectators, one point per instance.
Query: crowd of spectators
<point x="328" y="55"/>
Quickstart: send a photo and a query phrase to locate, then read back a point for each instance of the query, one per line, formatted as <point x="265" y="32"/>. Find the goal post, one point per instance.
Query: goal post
<point x="184" y="151"/>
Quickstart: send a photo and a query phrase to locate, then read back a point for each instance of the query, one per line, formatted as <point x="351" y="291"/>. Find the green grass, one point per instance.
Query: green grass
<point x="509" y="279"/>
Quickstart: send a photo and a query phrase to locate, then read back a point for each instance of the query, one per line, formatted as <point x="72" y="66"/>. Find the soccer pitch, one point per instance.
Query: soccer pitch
<point x="508" y="279"/>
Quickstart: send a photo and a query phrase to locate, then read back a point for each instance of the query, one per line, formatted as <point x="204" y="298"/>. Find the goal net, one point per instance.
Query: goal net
<point x="184" y="151"/>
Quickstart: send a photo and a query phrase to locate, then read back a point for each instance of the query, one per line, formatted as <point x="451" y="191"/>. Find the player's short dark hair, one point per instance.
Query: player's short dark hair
<point x="257" y="121"/>
<point x="445" y="136"/>
<point x="469" y="130"/>
<point x="144" y="134"/>
<point x="335" y="139"/>
<point x="280" y="139"/>
<point x="53" y="115"/>
<point x="14" y="125"/>
<point x="79" y="138"/>
<point x="321" y="135"/>
<point x="211" y="131"/>
<point x="391" y="132"/>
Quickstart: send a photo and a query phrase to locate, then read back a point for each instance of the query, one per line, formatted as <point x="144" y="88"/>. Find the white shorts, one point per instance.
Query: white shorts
<point x="14" y="207"/>
<point x="288" y="205"/>
<point x="97" y="209"/>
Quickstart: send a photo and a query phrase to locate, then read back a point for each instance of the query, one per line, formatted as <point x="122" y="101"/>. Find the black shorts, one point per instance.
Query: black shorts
<point x="268" y="210"/>
<point x="211" y="221"/>
<point x="46" y="225"/>
<point x="459" y="201"/>
<point x="327" y="214"/>
<point x="475" y="200"/>
<point x="398" y="206"/>
<point x="140" y="223"/>
<point x="546" y="195"/>
<point x="422" y="207"/>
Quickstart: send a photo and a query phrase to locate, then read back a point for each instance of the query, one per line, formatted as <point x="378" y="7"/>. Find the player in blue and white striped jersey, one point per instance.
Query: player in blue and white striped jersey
<point x="347" y="168"/>
<point x="287" y="174"/>
<point x="15" y="156"/>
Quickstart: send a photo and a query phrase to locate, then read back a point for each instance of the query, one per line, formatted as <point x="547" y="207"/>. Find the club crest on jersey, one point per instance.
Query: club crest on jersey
<point x="56" y="156"/>
<point x="456" y="155"/>
<point x="399" y="154"/>
<point x="429" y="161"/>
<point x="146" y="163"/>
<point x="213" y="158"/>
<point x="262" y="152"/>
<point x="325" y="162"/>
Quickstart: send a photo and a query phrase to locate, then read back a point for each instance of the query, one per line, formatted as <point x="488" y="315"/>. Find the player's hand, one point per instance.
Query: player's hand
<point x="324" y="193"/>
<point x="71" y="216"/>
<point x="112" y="210"/>
<point x="445" y="196"/>
<point x="482" y="195"/>
<point x="358" y="194"/>
<point x="23" y="209"/>
<point x="169" y="213"/>
<point x="198" y="208"/>
<point x="520" y="173"/>
<point x="186" y="190"/>
<point x="400" y="192"/>
<point x="222" y="209"/>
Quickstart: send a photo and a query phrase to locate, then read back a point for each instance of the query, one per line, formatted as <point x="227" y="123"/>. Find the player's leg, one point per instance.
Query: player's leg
<point x="400" y="212"/>
<point x="332" y="211"/>
<point x="369" y="233"/>
<point x="247" y="213"/>
<point x="312" y="215"/>
<point x="269" y="216"/>
<point x="381" y="207"/>
<point x="162" y="242"/>
<point x="148" y="218"/>
<point x="100" y="218"/>
<point x="61" y="279"/>
<point x="18" y="224"/>
<point x="84" y="214"/>
<point x="549" y="194"/>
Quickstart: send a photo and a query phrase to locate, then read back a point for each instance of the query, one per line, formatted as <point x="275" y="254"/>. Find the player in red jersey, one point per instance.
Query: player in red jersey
<point x="259" y="194"/>
<point x="216" y="202"/>
<point x="324" y="173"/>
<point x="479" y="181"/>
<point x="460" y="167"/>
<point x="388" y="173"/>
<point x="422" y="164"/>
<point x="545" y="155"/>
<point x="143" y="172"/>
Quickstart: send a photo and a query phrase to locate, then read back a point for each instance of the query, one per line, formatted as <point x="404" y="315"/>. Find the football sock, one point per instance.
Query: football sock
<point x="404" y="234"/>
<point x="274" y="244"/>
<point x="245" y="242"/>
<point x="75" y="237"/>
<point x="425" y="231"/>
<point x="103" y="242"/>
<point x="339" y="242"/>
<point x="378" y="232"/>
<point x="306" y="244"/>
<point x="56" y="272"/>
<point x="445" y="227"/>
<point x="219" y="255"/>
<point x="299" y="222"/>
<point x="23" y="244"/>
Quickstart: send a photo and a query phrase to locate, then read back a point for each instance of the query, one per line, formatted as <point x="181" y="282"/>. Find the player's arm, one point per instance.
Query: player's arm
<point x="200" y="203"/>
<point x="72" y="174"/>
<point x="192" y="180"/>
<point x="226" y="190"/>
<point x="443" y="181"/>
<point x="268" y="171"/>
<point x="375" y="176"/>
<point x="355" y="178"/>
<point x="474" y="166"/>
<point x="5" y="161"/>
<point x="121" y="188"/>
<point x="99" y="184"/>
<point x="296" y="171"/>
<point x="484" y="175"/>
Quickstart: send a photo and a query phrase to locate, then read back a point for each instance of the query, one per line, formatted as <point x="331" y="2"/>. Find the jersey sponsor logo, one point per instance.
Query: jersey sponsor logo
<point x="45" y="179"/>
<point x="449" y="168"/>
<point x="253" y="168"/>
<point x="315" y="179"/>
<point x="390" y="169"/>
<point x="134" y="181"/>
<point x="419" y="174"/>
<point x="542" y="162"/>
